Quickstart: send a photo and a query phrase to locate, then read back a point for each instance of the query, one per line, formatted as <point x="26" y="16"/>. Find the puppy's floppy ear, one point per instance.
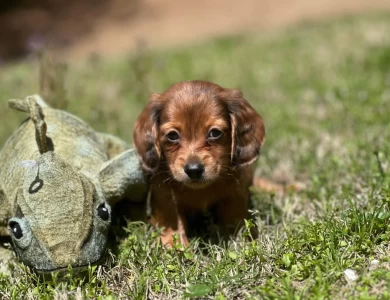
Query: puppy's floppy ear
<point x="145" y="134"/>
<point x="248" y="130"/>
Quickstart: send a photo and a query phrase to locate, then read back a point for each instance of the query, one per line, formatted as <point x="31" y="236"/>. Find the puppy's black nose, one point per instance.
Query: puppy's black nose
<point x="194" y="170"/>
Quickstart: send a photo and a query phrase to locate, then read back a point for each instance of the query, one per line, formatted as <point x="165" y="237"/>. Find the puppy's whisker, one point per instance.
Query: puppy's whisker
<point x="227" y="168"/>
<point x="162" y="172"/>
<point x="168" y="179"/>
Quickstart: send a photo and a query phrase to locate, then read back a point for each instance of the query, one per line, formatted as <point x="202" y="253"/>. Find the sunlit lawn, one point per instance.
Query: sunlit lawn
<point x="324" y="93"/>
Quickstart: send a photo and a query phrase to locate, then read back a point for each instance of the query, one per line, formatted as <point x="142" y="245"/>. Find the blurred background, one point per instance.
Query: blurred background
<point x="75" y="29"/>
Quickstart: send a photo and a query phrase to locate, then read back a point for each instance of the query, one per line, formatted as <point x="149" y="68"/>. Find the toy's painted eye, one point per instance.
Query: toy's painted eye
<point x="172" y="136"/>
<point x="103" y="212"/>
<point x="214" y="134"/>
<point x="20" y="231"/>
<point x="16" y="230"/>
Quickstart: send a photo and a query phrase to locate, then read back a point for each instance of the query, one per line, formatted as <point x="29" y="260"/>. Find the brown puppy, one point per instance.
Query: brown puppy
<point x="198" y="141"/>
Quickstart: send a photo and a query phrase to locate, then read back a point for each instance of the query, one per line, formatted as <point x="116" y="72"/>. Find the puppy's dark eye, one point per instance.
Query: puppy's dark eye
<point x="172" y="136"/>
<point x="16" y="230"/>
<point x="103" y="213"/>
<point x="214" y="134"/>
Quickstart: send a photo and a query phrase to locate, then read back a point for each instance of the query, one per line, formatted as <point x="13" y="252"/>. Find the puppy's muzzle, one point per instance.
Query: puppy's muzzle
<point x="194" y="170"/>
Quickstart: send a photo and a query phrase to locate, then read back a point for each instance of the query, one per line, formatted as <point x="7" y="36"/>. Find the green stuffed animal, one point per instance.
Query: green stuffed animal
<point x="58" y="181"/>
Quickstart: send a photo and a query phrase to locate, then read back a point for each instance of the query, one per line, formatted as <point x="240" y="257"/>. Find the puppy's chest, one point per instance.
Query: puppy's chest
<point x="199" y="199"/>
<point x="202" y="199"/>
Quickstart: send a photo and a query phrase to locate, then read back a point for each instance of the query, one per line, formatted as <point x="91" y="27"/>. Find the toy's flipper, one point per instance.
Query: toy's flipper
<point x="24" y="104"/>
<point x="122" y="177"/>
<point x="114" y="145"/>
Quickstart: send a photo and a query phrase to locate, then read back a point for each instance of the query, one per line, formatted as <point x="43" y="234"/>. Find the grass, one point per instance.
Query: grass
<point x="324" y="93"/>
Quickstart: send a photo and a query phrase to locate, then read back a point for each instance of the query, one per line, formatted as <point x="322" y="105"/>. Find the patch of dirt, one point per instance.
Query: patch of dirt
<point x="76" y="29"/>
<point x="29" y="25"/>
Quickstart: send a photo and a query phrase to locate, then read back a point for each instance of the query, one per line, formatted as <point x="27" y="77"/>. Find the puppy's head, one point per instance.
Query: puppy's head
<point x="199" y="130"/>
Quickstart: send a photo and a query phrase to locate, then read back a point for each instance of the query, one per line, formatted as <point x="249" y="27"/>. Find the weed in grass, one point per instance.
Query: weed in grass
<point x="52" y="81"/>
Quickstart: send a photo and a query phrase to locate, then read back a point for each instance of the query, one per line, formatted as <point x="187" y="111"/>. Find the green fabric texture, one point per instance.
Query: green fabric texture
<point x="58" y="180"/>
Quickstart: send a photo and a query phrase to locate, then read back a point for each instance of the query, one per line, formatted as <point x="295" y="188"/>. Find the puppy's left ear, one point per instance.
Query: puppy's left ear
<point x="248" y="132"/>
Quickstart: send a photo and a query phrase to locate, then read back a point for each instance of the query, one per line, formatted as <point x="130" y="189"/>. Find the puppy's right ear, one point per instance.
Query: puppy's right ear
<point x="145" y="134"/>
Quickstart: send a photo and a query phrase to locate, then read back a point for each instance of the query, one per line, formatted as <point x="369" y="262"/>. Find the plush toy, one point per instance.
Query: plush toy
<point x="58" y="181"/>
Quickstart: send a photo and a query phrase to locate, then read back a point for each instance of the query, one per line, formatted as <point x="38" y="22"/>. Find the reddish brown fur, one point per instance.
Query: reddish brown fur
<point x="192" y="109"/>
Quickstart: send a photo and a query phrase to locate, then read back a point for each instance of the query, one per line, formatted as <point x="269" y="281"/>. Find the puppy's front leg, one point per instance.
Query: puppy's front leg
<point x="166" y="215"/>
<point x="232" y="211"/>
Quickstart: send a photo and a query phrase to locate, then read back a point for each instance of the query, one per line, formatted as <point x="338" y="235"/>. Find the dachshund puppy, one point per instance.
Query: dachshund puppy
<point x="198" y="141"/>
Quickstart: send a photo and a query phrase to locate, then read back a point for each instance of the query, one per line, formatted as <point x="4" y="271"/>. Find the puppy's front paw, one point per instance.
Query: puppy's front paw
<point x="174" y="239"/>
